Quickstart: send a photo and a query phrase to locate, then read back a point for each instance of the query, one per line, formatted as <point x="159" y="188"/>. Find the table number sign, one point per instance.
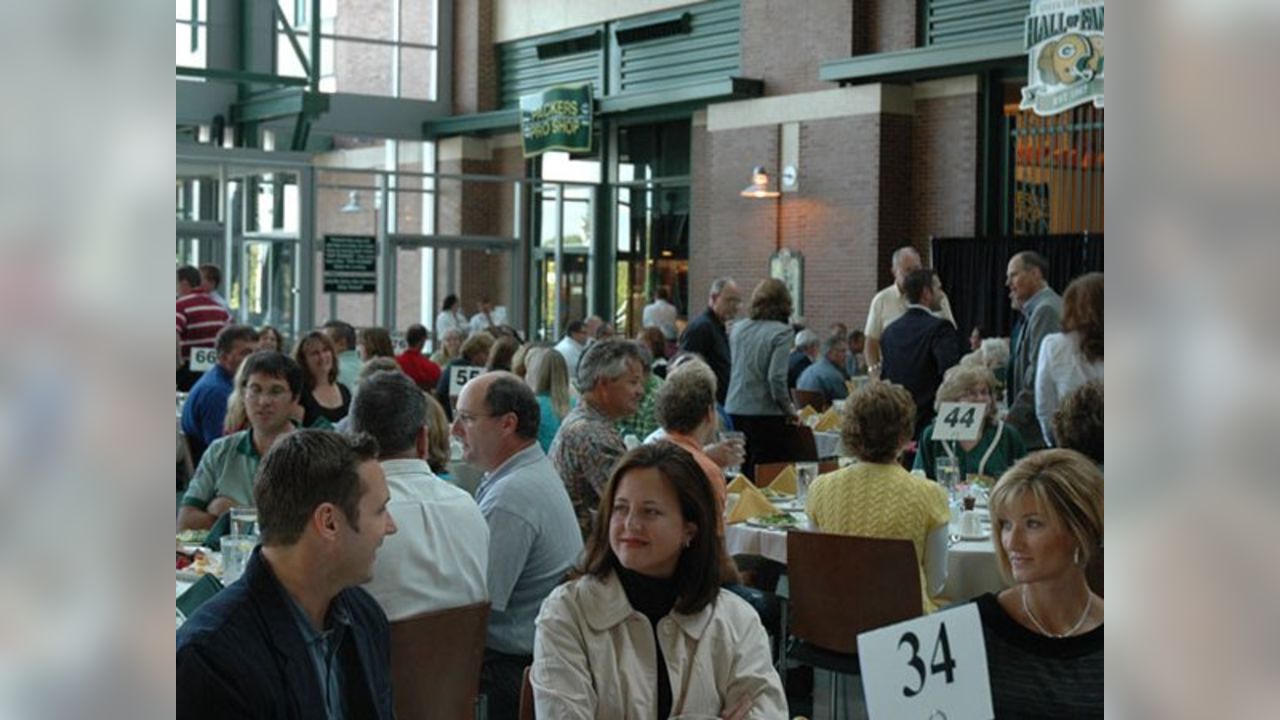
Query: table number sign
<point x="460" y="375"/>
<point x="934" y="666"/>
<point x="959" y="421"/>
<point x="203" y="359"/>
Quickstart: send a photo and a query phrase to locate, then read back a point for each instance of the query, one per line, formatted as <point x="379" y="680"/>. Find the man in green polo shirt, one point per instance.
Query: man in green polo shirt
<point x="271" y="383"/>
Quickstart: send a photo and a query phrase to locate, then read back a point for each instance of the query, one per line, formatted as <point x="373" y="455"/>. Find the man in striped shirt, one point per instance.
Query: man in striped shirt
<point x="199" y="319"/>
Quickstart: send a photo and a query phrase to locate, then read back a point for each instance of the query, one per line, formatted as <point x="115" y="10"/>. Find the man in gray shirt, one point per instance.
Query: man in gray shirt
<point x="533" y="533"/>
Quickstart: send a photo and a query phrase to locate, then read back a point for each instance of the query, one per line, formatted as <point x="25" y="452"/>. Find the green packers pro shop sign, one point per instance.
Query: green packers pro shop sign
<point x="558" y="118"/>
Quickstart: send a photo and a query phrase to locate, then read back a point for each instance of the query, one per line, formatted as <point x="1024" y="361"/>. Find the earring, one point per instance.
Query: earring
<point x="1076" y="558"/>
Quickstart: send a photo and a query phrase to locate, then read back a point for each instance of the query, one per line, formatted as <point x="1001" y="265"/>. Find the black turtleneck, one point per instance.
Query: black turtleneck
<point x="654" y="598"/>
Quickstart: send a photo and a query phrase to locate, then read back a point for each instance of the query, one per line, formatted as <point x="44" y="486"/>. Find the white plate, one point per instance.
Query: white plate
<point x="756" y="522"/>
<point x="790" y="506"/>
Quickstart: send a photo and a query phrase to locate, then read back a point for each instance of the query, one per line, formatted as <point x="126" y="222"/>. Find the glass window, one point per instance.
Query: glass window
<point x="192" y="34"/>
<point x="365" y="47"/>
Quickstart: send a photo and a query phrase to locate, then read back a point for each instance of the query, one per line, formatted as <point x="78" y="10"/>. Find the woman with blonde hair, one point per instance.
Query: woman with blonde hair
<point x="759" y="401"/>
<point x="438" y="451"/>
<point x="1072" y="357"/>
<point x="645" y="630"/>
<point x="877" y="497"/>
<point x="1044" y="635"/>
<point x="549" y="378"/>
<point x="998" y="446"/>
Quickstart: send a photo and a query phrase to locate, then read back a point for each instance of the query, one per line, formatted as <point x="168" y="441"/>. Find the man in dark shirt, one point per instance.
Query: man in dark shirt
<point x="920" y="346"/>
<point x="804" y="355"/>
<point x="295" y="637"/>
<point x="707" y="334"/>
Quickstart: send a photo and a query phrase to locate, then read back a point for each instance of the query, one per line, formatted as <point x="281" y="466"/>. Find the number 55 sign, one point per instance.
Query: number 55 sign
<point x="934" y="666"/>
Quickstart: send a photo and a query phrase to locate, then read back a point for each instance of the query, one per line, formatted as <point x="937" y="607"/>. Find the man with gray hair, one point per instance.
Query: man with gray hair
<point x="533" y="537"/>
<point x="803" y="355"/>
<point x="611" y="383"/>
<point x="708" y="334"/>
<point x="1042" y="311"/>
<point x="827" y="375"/>
<point x="891" y="303"/>
<point x="440" y="556"/>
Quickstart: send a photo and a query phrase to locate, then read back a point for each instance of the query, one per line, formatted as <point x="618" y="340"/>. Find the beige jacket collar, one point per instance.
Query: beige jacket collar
<point x="607" y="606"/>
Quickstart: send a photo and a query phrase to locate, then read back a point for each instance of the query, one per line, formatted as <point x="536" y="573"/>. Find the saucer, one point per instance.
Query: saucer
<point x="971" y="538"/>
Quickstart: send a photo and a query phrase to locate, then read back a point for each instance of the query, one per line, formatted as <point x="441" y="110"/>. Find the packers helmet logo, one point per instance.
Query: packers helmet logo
<point x="1071" y="59"/>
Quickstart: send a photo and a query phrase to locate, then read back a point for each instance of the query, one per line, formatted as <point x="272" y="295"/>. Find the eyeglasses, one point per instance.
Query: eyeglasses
<point x="275" y="393"/>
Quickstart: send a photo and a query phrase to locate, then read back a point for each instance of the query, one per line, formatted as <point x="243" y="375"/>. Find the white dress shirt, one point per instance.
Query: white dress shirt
<point x="439" y="556"/>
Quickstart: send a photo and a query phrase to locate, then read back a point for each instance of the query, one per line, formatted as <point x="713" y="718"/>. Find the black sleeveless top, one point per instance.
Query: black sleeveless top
<point x="313" y="411"/>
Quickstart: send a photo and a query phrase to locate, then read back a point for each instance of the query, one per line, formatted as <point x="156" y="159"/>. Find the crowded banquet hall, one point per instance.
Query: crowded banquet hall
<point x="640" y="358"/>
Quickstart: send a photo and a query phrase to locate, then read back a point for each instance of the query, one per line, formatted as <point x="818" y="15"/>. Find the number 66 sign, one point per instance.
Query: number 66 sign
<point x="934" y="666"/>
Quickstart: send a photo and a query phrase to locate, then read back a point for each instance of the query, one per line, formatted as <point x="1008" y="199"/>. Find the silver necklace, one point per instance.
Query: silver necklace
<point x="1027" y="609"/>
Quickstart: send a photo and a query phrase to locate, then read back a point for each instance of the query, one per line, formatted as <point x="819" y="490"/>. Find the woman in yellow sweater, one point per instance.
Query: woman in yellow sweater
<point x="877" y="497"/>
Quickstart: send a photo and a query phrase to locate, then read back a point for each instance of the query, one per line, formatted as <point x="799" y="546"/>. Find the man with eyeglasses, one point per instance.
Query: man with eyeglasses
<point x="533" y="532"/>
<point x="271" y="384"/>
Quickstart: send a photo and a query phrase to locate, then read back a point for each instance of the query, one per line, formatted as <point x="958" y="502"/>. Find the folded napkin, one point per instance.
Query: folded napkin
<point x="807" y="412"/>
<point x="751" y="504"/>
<point x="785" y="482"/>
<point x="828" y="421"/>
<point x="739" y="484"/>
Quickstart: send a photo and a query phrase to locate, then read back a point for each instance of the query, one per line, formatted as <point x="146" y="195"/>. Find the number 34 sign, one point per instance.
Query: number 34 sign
<point x="934" y="666"/>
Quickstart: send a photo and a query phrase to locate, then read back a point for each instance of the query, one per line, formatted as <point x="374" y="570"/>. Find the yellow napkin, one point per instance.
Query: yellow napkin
<point x="739" y="484"/>
<point x="785" y="482"/>
<point x="752" y="504"/>
<point x="806" y="413"/>
<point x="828" y="421"/>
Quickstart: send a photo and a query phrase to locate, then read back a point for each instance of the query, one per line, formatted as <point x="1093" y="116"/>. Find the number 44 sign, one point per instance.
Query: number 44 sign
<point x="933" y="667"/>
<point x="959" y="421"/>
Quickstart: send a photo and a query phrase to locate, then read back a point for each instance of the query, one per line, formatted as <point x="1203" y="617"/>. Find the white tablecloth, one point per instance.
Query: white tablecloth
<point x="971" y="565"/>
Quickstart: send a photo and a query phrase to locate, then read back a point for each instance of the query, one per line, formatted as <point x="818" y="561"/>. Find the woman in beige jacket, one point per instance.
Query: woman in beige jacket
<point x="645" y="631"/>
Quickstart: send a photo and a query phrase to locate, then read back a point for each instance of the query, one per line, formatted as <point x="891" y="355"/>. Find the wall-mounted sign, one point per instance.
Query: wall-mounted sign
<point x="1064" y="55"/>
<point x="787" y="265"/>
<point x="350" y="264"/>
<point x="558" y="118"/>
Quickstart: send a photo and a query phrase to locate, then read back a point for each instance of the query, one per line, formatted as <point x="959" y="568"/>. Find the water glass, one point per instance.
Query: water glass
<point x="244" y="521"/>
<point x="947" y="471"/>
<point x="236" y="550"/>
<point x="805" y="474"/>
<point x="734" y="436"/>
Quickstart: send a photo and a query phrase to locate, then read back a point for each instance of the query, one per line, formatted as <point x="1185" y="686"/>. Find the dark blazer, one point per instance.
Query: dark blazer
<point x="796" y="364"/>
<point x="241" y="655"/>
<point x="707" y="336"/>
<point x="917" y="349"/>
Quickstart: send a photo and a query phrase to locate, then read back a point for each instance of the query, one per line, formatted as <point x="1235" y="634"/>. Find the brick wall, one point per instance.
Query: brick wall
<point x="891" y="25"/>
<point x="783" y="43"/>
<point x="475" y="60"/>
<point x="944" y="168"/>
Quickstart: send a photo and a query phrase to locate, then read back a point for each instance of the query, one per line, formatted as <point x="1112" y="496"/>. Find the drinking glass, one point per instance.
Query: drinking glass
<point x="244" y="521"/>
<point x="805" y="473"/>
<point x="236" y="550"/>
<point x="734" y="436"/>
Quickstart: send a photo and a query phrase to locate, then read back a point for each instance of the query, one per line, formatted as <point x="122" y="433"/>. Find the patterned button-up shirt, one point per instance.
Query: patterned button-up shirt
<point x="584" y="453"/>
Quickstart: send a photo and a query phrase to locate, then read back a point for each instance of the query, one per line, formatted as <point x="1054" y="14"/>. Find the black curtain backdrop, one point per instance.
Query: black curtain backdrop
<point x="972" y="271"/>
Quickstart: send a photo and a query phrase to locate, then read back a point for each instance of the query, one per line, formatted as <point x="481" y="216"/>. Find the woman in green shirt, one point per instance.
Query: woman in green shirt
<point x="995" y="451"/>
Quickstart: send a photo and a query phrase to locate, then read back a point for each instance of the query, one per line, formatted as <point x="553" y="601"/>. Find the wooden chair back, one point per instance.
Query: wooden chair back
<point x="767" y="472"/>
<point x="842" y="585"/>
<point x="526" y="697"/>
<point x="813" y="398"/>
<point x="435" y="662"/>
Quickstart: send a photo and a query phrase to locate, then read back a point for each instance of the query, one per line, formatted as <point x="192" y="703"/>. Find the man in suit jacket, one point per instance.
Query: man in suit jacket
<point x="295" y="637"/>
<point x="920" y="346"/>
<point x="1042" y="314"/>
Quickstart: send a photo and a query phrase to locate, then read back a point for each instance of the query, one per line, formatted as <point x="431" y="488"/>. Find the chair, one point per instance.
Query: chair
<point x="526" y="697"/>
<point x="840" y="586"/>
<point x="813" y="398"/>
<point x="768" y="472"/>
<point x="435" y="662"/>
